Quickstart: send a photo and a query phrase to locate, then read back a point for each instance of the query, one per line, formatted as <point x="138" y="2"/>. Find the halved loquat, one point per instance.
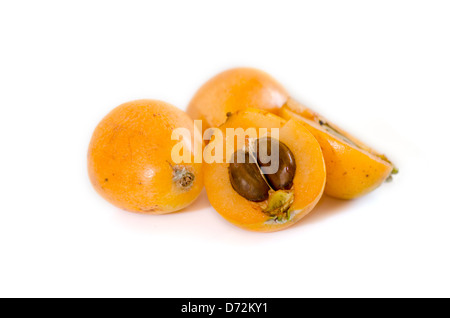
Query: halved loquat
<point x="267" y="172"/>
<point x="130" y="158"/>
<point x="353" y="168"/>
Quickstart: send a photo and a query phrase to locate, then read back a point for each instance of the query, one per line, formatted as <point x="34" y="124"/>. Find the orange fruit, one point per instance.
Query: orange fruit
<point x="353" y="168"/>
<point x="130" y="158"/>
<point x="233" y="90"/>
<point x="238" y="193"/>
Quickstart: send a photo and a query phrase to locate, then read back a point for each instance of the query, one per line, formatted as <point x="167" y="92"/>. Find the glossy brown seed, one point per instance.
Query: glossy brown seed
<point x="285" y="161"/>
<point x="246" y="178"/>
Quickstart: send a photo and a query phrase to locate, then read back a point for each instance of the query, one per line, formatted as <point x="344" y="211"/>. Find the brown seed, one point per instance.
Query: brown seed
<point x="284" y="177"/>
<point x="246" y="178"/>
<point x="253" y="179"/>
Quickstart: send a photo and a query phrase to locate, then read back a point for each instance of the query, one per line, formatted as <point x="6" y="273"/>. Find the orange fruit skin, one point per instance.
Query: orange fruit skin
<point x="309" y="180"/>
<point x="351" y="171"/>
<point x="129" y="158"/>
<point x="233" y="90"/>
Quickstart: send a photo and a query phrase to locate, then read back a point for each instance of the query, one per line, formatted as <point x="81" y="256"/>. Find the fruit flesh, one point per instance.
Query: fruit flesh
<point x="353" y="168"/>
<point x="234" y="90"/>
<point x="129" y="159"/>
<point x="308" y="183"/>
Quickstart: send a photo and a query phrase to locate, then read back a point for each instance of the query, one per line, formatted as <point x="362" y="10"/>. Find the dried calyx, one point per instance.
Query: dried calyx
<point x="182" y="177"/>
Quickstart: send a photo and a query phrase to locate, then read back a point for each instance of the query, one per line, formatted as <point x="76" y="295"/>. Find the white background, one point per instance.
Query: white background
<point x="381" y="69"/>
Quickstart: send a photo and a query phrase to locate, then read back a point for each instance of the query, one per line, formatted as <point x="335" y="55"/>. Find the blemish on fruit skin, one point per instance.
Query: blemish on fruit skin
<point x="152" y="208"/>
<point x="106" y="179"/>
<point x="367" y="175"/>
<point x="345" y="172"/>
